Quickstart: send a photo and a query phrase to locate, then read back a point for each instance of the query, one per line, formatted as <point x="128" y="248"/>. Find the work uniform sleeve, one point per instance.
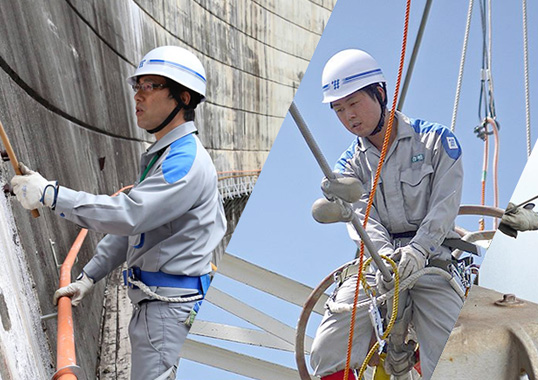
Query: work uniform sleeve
<point x="109" y="254"/>
<point x="380" y="237"/>
<point x="445" y="197"/>
<point x="157" y="200"/>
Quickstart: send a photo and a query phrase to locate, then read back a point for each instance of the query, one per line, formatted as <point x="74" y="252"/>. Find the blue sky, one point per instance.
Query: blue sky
<point x="276" y="230"/>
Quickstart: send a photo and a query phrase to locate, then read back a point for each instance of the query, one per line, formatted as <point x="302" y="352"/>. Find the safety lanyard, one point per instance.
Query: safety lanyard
<point x="151" y="163"/>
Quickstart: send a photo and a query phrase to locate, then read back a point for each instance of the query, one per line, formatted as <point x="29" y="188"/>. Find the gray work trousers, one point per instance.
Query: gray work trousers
<point x="435" y="308"/>
<point x="157" y="332"/>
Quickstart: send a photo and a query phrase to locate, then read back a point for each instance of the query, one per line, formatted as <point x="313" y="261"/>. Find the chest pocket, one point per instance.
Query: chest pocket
<point x="416" y="192"/>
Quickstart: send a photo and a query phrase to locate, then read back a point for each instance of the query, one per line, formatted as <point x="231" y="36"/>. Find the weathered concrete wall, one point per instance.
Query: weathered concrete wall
<point x="65" y="105"/>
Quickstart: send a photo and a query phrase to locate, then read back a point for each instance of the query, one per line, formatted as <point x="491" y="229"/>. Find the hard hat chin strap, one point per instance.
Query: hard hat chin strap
<point x="166" y="121"/>
<point x="383" y="104"/>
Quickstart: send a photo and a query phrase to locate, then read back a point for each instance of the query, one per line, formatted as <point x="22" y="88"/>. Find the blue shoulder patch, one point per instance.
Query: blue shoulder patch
<point x="179" y="160"/>
<point x="448" y="140"/>
<point x="340" y="165"/>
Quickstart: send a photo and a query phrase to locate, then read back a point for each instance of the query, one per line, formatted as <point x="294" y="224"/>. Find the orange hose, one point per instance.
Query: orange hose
<point x="65" y="349"/>
<point x="66" y="354"/>
<point x="495" y="128"/>
<point x="481" y="223"/>
<point x="374" y="187"/>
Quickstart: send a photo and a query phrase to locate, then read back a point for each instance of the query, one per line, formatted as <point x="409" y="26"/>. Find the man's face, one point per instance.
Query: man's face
<point x="359" y="113"/>
<point x="152" y="106"/>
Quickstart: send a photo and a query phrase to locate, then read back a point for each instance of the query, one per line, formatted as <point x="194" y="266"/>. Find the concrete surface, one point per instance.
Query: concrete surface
<point x="67" y="109"/>
<point x="492" y="340"/>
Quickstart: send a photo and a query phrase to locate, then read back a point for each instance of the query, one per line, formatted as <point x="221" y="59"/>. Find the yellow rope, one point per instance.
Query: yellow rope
<point x="394" y="313"/>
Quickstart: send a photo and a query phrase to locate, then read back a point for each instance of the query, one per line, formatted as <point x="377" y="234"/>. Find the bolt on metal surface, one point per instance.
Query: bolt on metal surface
<point x="509" y="300"/>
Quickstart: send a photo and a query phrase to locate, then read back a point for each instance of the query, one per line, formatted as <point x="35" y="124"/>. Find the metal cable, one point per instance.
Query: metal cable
<point x="492" y="112"/>
<point x="462" y="64"/>
<point x="526" y="64"/>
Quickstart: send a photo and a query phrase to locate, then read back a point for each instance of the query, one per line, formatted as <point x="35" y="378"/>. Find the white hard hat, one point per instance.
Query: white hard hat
<point x="349" y="71"/>
<point x="175" y="63"/>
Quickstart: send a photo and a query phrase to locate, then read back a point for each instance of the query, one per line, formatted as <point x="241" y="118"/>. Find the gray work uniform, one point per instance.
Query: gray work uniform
<point x="169" y="222"/>
<point x="418" y="196"/>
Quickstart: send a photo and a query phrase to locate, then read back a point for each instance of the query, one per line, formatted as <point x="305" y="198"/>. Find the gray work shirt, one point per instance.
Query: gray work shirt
<point x="171" y="221"/>
<point x="419" y="188"/>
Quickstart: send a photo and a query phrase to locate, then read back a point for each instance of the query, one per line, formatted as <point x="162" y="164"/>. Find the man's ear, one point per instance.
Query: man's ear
<point x="185" y="97"/>
<point x="382" y="93"/>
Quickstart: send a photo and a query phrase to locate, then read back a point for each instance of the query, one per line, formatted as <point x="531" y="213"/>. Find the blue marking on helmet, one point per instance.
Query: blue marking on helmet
<point x="177" y="65"/>
<point x="361" y="75"/>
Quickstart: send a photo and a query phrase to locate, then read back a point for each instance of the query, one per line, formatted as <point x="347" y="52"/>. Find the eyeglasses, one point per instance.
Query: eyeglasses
<point x="146" y="86"/>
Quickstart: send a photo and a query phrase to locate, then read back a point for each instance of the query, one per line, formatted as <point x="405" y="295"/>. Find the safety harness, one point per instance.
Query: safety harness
<point x="136" y="278"/>
<point x="132" y="277"/>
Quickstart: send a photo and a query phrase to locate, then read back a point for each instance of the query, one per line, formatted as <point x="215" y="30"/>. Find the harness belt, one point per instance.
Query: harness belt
<point x="161" y="279"/>
<point x="450" y="243"/>
<point x="447" y="265"/>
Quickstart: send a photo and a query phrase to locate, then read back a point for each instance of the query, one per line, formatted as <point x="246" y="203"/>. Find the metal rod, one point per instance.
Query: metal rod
<point x="521" y="204"/>
<point x="49" y="316"/>
<point x="316" y="151"/>
<point x="309" y="138"/>
<point x="414" y="54"/>
<point x="370" y="247"/>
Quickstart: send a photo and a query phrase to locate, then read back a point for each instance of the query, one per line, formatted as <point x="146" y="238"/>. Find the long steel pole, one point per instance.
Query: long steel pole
<point x="327" y="172"/>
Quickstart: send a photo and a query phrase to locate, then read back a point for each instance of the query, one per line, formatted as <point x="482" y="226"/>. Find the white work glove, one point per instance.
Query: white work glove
<point x="348" y="189"/>
<point x="519" y="219"/>
<point x="76" y="290"/>
<point x="32" y="190"/>
<point x="412" y="258"/>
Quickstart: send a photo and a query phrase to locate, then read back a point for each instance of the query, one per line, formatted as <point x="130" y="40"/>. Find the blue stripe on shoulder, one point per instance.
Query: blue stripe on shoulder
<point x="448" y="140"/>
<point x="179" y="160"/>
<point x="340" y="165"/>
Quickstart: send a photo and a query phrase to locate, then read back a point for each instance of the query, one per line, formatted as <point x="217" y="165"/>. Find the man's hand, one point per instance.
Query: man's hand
<point x="383" y="286"/>
<point x="412" y="258"/>
<point x="77" y="290"/>
<point x="519" y="219"/>
<point x="32" y="190"/>
<point x="348" y="189"/>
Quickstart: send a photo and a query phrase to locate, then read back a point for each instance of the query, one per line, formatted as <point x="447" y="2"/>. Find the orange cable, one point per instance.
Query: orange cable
<point x="65" y="349"/>
<point x="374" y="187"/>
<point x="481" y="223"/>
<point x="495" y="128"/>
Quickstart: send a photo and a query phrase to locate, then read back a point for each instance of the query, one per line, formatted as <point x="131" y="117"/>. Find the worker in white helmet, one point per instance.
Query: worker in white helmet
<point x="165" y="228"/>
<point x="413" y="213"/>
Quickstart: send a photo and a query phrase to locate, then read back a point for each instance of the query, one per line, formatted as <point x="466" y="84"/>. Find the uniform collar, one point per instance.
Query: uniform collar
<point x="404" y="130"/>
<point x="175" y="134"/>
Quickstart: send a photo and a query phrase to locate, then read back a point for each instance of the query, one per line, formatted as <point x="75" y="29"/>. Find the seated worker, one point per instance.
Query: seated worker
<point x="414" y="211"/>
